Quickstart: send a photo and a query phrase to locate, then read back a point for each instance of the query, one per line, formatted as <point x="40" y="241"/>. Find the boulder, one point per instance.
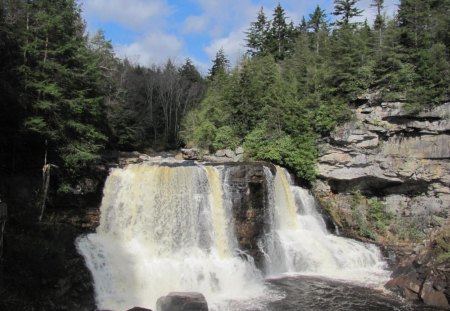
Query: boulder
<point x="239" y="158"/>
<point x="433" y="297"/>
<point x="182" y="301"/>
<point x="190" y="154"/>
<point x="220" y="153"/>
<point x="229" y="153"/>
<point x="239" y="150"/>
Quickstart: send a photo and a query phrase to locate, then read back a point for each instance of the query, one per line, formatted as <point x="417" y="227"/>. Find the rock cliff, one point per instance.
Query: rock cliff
<point x="399" y="156"/>
<point x="400" y="161"/>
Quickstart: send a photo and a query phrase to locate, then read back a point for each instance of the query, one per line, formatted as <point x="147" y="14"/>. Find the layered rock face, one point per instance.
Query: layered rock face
<point x="404" y="160"/>
<point x="389" y="152"/>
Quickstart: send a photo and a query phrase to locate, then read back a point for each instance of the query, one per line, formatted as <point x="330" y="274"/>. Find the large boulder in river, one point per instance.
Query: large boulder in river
<point x="182" y="301"/>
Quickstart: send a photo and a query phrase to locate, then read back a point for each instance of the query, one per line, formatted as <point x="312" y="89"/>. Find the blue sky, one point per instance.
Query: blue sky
<point x="151" y="31"/>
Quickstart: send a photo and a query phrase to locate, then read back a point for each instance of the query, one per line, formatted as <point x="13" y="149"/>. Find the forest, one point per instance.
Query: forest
<point x="67" y="98"/>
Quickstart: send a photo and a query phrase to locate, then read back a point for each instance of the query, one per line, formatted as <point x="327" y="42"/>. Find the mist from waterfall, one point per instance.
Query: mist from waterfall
<point x="167" y="227"/>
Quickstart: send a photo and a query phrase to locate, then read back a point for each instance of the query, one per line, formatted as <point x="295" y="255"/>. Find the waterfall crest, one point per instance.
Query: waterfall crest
<point x="170" y="228"/>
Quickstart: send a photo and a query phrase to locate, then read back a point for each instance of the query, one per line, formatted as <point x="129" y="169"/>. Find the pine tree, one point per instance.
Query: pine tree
<point x="281" y="35"/>
<point x="257" y="35"/>
<point x="318" y="23"/>
<point x="190" y="72"/>
<point x="346" y="9"/>
<point x="379" y="23"/>
<point x="414" y="17"/>
<point x="61" y="85"/>
<point x="303" y="26"/>
<point x="220" y="65"/>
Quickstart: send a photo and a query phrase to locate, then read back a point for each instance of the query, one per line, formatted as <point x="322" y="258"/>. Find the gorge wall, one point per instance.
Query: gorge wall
<point x="401" y="159"/>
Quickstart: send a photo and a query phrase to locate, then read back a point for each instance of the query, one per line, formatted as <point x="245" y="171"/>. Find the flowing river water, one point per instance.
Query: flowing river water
<point x="167" y="228"/>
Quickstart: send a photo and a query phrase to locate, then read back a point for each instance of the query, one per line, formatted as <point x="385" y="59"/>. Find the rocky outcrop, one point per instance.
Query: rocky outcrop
<point x="182" y="301"/>
<point x="402" y="159"/>
<point x="389" y="152"/>
<point x="425" y="273"/>
<point x="247" y="195"/>
<point x="220" y="156"/>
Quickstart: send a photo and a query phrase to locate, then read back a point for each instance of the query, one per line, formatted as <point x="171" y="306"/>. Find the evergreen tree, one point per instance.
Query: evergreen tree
<point x="281" y="35"/>
<point x="303" y="26"/>
<point x="346" y="9"/>
<point x="318" y="23"/>
<point x="220" y="65"/>
<point x="379" y="23"/>
<point x="257" y="35"/>
<point x="60" y="81"/>
<point x="190" y="72"/>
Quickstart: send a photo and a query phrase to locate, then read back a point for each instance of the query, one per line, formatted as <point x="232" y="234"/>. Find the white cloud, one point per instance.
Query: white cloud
<point x="154" y="48"/>
<point x="233" y="45"/>
<point x="130" y="13"/>
<point x="195" y="24"/>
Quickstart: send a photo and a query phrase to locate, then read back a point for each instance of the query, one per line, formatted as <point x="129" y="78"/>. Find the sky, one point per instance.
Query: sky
<point x="151" y="31"/>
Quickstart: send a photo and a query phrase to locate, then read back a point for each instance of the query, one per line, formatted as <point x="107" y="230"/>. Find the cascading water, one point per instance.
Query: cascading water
<point x="300" y="243"/>
<point x="170" y="228"/>
<point x="164" y="229"/>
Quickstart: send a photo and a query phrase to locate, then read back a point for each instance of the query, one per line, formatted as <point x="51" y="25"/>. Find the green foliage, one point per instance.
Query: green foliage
<point x="220" y="65"/>
<point x="347" y="9"/>
<point x="225" y="137"/>
<point x="370" y="216"/>
<point x="409" y="230"/>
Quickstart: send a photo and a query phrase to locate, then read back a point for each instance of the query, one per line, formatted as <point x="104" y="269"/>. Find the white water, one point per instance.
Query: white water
<point x="166" y="229"/>
<point x="300" y="243"/>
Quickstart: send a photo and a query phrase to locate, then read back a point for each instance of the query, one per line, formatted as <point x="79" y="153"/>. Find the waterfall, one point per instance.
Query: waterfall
<point x="300" y="243"/>
<point x="169" y="227"/>
<point x="164" y="229"/>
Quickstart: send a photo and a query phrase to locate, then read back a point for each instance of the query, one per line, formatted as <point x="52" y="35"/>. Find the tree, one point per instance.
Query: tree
<point x="257" y="35"/>
<point x="281" y="35"/>
<point x="220" y="65"/>
<point x="346" y="9"/>
<point x="379" y="23"/>
<point x="189" y="72"/>
<point x="60" y="84"/>
<point x="318" y="23"/>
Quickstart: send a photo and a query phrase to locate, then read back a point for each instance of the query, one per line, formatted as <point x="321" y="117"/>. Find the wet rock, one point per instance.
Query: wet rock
<point x="433" y="297"/>
<point x="182" y="301"/>
<point x="247" y="197"/>
<point x="422" y="275"/>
